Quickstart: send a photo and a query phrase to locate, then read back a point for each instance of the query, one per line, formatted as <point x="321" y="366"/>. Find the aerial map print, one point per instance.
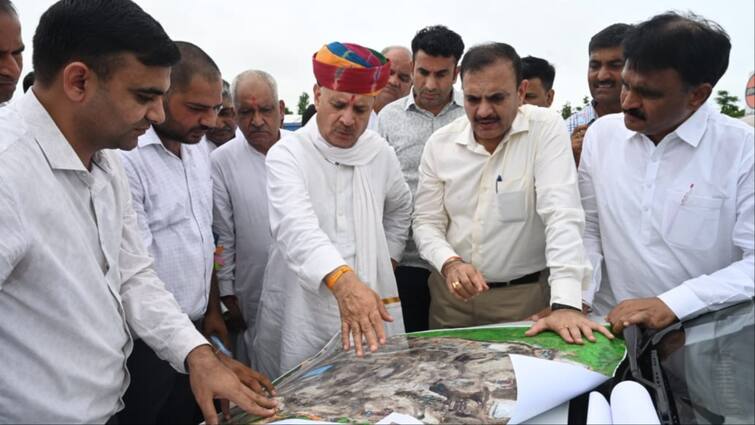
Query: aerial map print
<point x="446" y="376"/>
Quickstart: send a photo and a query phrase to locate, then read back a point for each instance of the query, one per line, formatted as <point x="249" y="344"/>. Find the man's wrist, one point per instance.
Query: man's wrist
<point x="197" y="354"/>
<point x="557" y="306"/>
<point x="448" y="263"/>
<point x="335" y="276"/>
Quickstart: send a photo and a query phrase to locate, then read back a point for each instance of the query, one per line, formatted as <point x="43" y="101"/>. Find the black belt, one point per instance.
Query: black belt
<point x="530" y="278"/>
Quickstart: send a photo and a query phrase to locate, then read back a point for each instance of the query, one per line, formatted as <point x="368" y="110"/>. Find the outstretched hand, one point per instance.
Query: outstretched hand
<point x="571" y="325"/>
<point x="211" y="379"/>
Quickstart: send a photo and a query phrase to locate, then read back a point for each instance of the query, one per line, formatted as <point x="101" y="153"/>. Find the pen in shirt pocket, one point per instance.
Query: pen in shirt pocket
<point x="498" y="180"/>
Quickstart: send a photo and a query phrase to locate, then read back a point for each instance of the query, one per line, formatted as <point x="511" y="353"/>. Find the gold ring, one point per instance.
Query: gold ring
<point x="455" y="284"/>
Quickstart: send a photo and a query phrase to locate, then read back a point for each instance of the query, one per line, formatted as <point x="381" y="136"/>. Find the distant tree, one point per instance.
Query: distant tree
<point x="566" y="110"/>
<point x="287" y="111"/>
<point x="303" y="102"/>
<point x="728" y="106"/>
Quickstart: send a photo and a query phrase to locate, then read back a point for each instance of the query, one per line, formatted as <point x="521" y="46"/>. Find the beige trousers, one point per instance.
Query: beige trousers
<point x="508" y="304"/>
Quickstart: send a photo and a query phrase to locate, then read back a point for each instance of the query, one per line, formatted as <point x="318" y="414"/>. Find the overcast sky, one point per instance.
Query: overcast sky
<point x="281" y="36"/>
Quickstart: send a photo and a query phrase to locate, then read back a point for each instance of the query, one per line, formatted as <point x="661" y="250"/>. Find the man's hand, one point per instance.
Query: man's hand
<point x="213" y="324"/>
<point x="258" y="382"/>
<point x="570" y="324"/>
<point x="362" y="313"/>
<point x="577" y="136"/>
<point x="235" y="320"/>
<point x="463" y="280"/>
<point x="211" y="379"/>
<point x="648" y="312"/>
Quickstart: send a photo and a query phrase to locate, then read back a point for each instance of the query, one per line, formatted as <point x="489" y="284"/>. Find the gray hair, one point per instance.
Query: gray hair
<point x="226" y="90"/>
<point x="389" y="48"/>
<point x="252" y="74"/>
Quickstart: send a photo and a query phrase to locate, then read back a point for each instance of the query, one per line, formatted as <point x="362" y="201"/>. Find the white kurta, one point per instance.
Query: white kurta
<point x="241" y="224"/>
<point x="312" y="219"/>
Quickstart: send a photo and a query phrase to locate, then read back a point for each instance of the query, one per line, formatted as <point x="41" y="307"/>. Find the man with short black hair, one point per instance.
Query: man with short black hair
<point x="171" y="185"/>
<point x="406" y="124"/>
<point x="604" y="79"/>
<point x="11" y="50"/>
<point x="497" y="208"/>
<point x="225" y="125"/>
<point x="539" y="75"/>
<point x="667" y="187"/>
<point x="76" y="281"/>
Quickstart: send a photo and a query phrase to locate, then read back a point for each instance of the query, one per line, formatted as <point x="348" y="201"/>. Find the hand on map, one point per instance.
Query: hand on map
<point x="211" y="379"/>
<point x="570" y="324"/>
<point x="362" y="313"/>
<point x="258" y="382"/>
<point x="648" y="312"/>
<point x="463" y="280"/>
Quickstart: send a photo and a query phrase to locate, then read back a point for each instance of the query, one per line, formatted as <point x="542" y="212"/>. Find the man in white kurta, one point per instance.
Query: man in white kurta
<point x="339" y="216"/>
<point x="240" y="216"/>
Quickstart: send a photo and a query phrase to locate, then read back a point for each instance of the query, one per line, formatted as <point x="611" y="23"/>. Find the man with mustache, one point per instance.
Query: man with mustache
<point x="11" y="50"/>
<point x="406" y="125"/>
<point x="401" y="76"/>
<point x="339" y="217"/>
<point x="171" y="186"/>
<point x="667" y="187"/>
<point x="77" y="284"/>
<point x="604" y="79"/>
<point x="497" y="211"/>
<point x="240" y="210"/>
<point x="225" y="126"/>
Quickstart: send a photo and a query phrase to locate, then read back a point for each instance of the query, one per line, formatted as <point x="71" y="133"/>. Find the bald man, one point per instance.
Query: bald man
<point x="400" y="82"/>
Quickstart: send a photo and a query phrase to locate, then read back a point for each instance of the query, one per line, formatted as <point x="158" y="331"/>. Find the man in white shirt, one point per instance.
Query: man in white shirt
<point x="339" y="216"/>
<point x="240" y="212"/>
<point x="407" y="125"/>
<point x="668" y="187"/>
<point x="225" y="125"/>
<point x="75" y="279"/>
<point x="171" y="185"/>
<point x="604" y="79"/>
<point x="497" y="204"/>
<point x="11" y="50"/>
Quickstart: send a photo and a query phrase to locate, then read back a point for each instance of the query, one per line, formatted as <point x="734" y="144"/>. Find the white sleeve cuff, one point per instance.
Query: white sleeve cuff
<point x="566" y="292"/>
<point x="683" y="302"/>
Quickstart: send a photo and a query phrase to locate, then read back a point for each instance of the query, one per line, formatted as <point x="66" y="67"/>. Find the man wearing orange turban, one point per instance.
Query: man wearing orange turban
<point x="339" y="215"/>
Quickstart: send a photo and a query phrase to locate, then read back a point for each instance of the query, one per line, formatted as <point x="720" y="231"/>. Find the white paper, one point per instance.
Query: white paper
<point x="598" y="410"/>
<point x="631" y="404"/>
<point x="399" y="418"/>
<point x="535" y="389"/>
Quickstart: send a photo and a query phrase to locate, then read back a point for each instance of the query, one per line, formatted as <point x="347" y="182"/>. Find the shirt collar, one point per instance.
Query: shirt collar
<point x="455" y="101"/>
<point x="520" y="124"/>
<point x="691" y="131"/>
<point x="55" y="147"/>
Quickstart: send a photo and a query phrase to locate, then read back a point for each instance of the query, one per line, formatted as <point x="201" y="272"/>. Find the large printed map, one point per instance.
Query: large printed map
<point x="448" y="376"/>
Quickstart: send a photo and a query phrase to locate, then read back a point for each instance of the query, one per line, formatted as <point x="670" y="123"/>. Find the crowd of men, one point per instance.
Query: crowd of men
<point x="141" y="194"/>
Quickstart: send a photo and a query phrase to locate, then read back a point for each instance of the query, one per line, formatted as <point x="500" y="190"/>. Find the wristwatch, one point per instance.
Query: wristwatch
<point x="556" y="306"/>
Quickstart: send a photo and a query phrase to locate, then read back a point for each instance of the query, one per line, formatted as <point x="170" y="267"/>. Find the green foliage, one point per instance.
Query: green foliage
<point x="602" y="356"/>
<point x="567" y="110"/>
<point x="727" y="103"/>
<point x="303" y="102"/>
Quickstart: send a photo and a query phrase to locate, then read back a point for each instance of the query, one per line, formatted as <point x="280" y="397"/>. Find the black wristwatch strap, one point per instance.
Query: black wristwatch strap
<point x="556" y="306"/>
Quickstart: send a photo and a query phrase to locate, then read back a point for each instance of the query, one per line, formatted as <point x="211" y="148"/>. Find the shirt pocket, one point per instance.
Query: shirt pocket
<point x="691" y="221"/>
<point x="511" y="206"/>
